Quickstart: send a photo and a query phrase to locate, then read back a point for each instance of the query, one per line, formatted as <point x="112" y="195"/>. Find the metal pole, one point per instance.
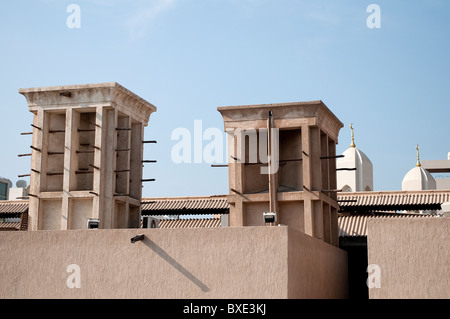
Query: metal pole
<point x="272" y="184"/>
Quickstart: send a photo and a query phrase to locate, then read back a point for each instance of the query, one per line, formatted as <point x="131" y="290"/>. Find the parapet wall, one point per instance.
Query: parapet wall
<point x="233" y="262"/>
<point x="409" y="258"/>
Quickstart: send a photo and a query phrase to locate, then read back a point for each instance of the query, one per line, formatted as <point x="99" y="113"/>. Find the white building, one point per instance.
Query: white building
<point x="355" y="170"/>
<point x="7" y="192"/>
<point x="418" y="178"/>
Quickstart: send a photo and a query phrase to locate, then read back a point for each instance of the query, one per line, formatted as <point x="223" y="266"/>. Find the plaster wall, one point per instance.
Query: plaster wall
<point x="412" y="255"/>
<point x="16" y="192"/>
<point x="231" y="262"/>
<point x="316" y="269"/>
<point x="80" y="213"/>
<point x="50" y="214"/>
<point x="290" y="213"/>
<point x="442" y="183"/>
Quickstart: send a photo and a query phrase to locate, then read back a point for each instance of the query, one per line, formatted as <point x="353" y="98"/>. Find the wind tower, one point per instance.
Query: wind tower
<point x="86" y="156"/>
<point x="282" y="160"/>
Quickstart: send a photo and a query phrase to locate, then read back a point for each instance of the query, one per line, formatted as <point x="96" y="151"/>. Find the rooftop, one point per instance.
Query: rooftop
<point x="393" y="200"/>
<point x="185" y="205"/>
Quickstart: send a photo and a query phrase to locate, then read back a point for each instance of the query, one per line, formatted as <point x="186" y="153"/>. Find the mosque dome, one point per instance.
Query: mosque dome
<point x="355" y="155"/>
<point x="358" y="180"/>
<point x="418" y="178"/>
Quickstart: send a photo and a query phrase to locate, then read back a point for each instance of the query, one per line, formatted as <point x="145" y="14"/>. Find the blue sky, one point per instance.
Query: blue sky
<point x="188" y="57"/>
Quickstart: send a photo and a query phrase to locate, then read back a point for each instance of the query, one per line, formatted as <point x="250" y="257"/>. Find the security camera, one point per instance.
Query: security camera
<point x="270" y="217"/>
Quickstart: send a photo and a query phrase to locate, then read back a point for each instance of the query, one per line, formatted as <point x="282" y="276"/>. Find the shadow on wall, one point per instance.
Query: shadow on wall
<point x="153" y="246"/>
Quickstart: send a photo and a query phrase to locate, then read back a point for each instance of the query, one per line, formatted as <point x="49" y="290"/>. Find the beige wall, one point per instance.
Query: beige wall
<point x="233" y="262"/>
<point x="413" y="256"/>
<point x="79" y="213"/>
<point x="316" y="269"/>
<point x="50" y="214"/>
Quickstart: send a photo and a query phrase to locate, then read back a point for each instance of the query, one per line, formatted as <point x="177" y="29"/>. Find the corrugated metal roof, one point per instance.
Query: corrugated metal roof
<point x="8" y="226"/>
<point x="378" y="200"/>
<point x="356" y="226"/>
<point x="189" y="223"/>
<point x="219" y="202"/>
<point x="184" y="204"/>
<point x="349" y="226"/>
<point x="13" y="207"/>
<point x="391" y="200"/>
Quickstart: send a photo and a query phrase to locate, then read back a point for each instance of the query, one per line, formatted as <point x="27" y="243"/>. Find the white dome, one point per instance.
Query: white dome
<point x="359" y="180"/>
<point x="355" y="155"/>
<point x="418" y="179"/>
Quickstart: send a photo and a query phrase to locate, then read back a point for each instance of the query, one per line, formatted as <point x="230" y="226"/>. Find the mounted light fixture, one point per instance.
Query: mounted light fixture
<point x="137" y="238"/>
<point x="92" y="223"/>
<point x="270" y="217"/>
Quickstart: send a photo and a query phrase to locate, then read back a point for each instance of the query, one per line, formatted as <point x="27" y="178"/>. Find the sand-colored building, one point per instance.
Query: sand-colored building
<point x="87" y="163"/>
<point x="281" y="238"/>
<point x="86" y="155"/>
<point x="301" y="189"/>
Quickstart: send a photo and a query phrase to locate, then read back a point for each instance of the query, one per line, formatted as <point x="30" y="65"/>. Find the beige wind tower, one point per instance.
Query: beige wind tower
<point x="86" y="156"/>
<point x="300" y="189"/>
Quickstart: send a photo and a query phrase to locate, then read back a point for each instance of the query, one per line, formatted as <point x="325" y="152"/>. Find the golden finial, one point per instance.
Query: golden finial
<point x="353" y="139"/>
<point x="418" y="158"/>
